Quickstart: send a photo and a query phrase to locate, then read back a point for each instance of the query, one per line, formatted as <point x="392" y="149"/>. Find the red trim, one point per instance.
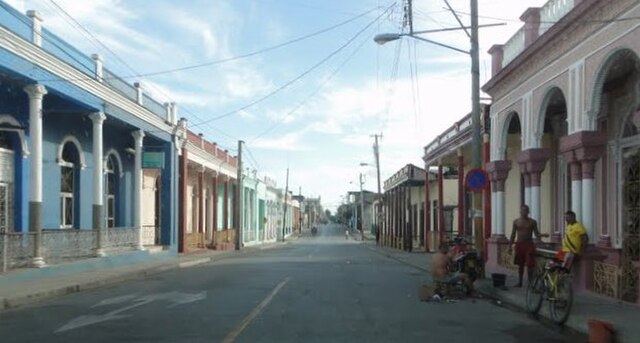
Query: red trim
<point x="461" y="209"/>
<point x="182" y="194"/>
<point x="200" y="202"/>
<point x="440" y="202"/>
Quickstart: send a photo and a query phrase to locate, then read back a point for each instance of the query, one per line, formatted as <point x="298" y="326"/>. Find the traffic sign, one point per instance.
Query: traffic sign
<point x="477" y="180"/>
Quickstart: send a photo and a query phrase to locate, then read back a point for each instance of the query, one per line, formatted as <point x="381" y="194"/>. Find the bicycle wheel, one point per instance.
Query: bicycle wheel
<point x="560" y="304"/>
<point x="535" y="294"/>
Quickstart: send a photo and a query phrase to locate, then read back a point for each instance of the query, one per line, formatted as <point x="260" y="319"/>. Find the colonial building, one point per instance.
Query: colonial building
<point x="207" y="194"/>
<point x="74" y="139"/>
<point x="565" y="134"/>
<point x="450" y="211"/>
<point x="254" y="208"/>
<point x="404" y="207"/>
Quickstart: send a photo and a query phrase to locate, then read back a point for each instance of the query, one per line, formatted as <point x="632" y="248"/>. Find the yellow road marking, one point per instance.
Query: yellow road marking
<point x="254" y="313"/>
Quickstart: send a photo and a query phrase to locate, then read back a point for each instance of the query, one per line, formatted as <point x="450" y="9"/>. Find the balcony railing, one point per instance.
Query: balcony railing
<point x="553" y="11"/>
<point x="550" y="13"/>
<point x="21" y="25"/>
<point x="64" y="245"/>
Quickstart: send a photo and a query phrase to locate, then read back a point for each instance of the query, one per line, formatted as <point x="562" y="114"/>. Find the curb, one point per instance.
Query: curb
<point x="512" y="305"/>
<point x="390" y="256"/>
<point x="160" y="267"/>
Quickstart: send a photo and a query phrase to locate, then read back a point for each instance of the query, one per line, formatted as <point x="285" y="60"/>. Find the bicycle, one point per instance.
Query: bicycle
<point x="555" y="285"/>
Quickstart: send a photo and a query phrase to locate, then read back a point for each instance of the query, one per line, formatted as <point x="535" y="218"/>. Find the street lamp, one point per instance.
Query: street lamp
<point x="476" y="141"/>
<point x="475" y="70"/>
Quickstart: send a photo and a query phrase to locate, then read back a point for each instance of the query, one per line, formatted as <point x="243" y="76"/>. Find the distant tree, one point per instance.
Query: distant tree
<point x="344" y="214"/>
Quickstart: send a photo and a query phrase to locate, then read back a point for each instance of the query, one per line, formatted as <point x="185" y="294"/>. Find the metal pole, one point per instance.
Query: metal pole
<point x="361" y="208"/>
<point x="476" y="144"/>
<point x="475" y="87"/>
<point x="300" y="219"/>
<point x="410" y="15"/>
<point x="376" y="151"/>
<point x="237" y="211"/>
<point x="284" y="213"/>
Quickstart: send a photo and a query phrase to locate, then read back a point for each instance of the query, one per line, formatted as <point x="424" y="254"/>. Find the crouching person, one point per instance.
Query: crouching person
<point x="443" y="270"/>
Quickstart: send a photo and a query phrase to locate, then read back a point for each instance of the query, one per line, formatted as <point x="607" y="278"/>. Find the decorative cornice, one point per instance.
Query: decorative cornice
<point x="41" y="58"/>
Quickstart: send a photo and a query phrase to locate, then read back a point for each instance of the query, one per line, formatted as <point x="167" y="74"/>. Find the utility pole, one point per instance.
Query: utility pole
<point x="284" y="213"/>
<point x="361" y="207"/>
<point x="476" y="138"/>
<point x="300" y="212"/>
<point x="237" y="213"/>
<point x="376" y="153"/>
<point x="410" y="15"/>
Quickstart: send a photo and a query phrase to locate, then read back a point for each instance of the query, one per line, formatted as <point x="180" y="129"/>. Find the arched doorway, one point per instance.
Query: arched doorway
<point x="618" y="117"/>
<point x="70" y="164"/>
<point x="555" y="126"/>
<point x="7" y="183"/>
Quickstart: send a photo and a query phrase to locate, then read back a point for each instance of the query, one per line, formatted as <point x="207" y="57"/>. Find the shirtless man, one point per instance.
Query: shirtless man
<point x="441" y="265"/>
<point x="524" y="249"/>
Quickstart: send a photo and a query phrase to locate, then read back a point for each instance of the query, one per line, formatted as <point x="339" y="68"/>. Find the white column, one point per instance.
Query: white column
<point x="500" y="213"/>
<point x="576" y="198"/>
<point x="494" y="215"/>
<point x="137" y="186"/>
<point x="534" y="204"/>
<point x="587" y="217"/>
<point x="527" y="195"/>
<point x="36" y="92"/>
<point x="98" y="179"/>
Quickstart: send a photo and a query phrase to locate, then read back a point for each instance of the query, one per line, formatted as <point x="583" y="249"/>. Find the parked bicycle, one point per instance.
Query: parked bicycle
<point x="554" y="284"/>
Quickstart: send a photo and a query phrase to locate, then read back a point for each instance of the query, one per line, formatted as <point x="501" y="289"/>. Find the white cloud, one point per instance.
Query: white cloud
<point x="286" y="142"/>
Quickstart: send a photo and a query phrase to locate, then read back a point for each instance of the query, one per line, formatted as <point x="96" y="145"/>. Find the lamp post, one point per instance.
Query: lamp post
<point x="476" y="141"/>
<point x="475" y="74"/>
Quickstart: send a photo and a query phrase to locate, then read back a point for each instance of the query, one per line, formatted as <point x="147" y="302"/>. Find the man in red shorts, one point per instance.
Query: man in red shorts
<point x="524" y="249"/>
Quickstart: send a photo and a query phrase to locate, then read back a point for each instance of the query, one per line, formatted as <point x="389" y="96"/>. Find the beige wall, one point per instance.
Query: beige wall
<point x="450" y="194"/>
<point x="513" y="183"/>
<point x="148" y="196"/>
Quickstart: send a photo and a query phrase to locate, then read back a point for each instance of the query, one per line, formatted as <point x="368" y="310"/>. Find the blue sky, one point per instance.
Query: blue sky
<point x="320" y="125"/>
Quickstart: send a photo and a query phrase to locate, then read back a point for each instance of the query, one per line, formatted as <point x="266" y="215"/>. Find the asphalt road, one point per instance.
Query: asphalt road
<point x="316" y="289"/>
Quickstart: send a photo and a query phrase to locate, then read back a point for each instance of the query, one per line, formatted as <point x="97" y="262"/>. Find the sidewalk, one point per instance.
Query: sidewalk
<point x="22" y="287"/>
<point x="586" y="306"/>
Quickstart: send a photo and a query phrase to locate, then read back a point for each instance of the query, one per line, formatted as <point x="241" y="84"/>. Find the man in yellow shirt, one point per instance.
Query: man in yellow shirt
<point x="574" y="241"/>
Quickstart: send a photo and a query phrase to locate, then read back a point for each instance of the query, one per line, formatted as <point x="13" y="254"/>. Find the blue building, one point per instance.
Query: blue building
<point x="74" y="139"/>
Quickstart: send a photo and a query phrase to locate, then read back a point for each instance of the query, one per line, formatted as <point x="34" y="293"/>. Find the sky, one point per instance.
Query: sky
<point x="300" y="81"/>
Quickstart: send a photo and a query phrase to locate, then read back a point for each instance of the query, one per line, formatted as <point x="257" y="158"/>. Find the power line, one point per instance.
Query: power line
<point x="41" y="34"/>
<point x="98" y="43"/>
<point x="316" y="91"/>
<point x="305" y="73"/>
<point x="250" y="54"/>
<point x="257" y="166"/>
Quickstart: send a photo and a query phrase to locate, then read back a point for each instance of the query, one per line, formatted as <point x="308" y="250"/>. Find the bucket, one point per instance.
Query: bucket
<point x="601" y="332"/>
<point x="498" y="279"/>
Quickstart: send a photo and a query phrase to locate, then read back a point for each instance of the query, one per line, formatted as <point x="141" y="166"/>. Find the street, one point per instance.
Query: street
<point x="314" y="289"/>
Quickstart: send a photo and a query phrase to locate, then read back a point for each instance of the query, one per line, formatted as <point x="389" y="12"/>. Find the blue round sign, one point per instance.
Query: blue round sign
<point x="477" y="179"/>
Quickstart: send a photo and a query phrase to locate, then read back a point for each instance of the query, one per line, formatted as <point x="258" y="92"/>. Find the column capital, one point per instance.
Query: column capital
<point x="97" y="117"/>
<point x="35" y="90"/>
<point x="138" y="135"/>
<point x="583" y="145"/>
<point x="534" y="160"/>
<point x="33" y="14"/>
<point x="498" y="171"/>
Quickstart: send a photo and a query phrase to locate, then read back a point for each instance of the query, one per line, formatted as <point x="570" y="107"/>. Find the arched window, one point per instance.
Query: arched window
<point x="7" y="172"/>
<point x="69" y="185"/>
